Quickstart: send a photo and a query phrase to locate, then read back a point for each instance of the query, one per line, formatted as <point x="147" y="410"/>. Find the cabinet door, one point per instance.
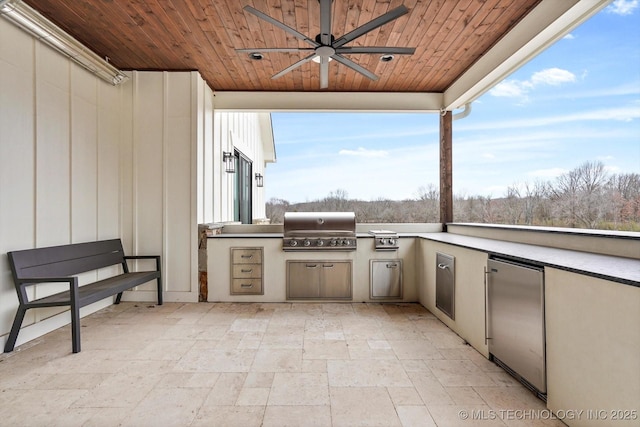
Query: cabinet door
<point x="386" y="279"/>
<point x="445" y="284"/>
<point x="303" y="279"/>
<point x="335" y="280"/>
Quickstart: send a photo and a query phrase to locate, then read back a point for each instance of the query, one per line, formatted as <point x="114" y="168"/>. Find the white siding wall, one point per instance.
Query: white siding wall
<point x="82" y="160"/>
<point x="59" y="162"/>
<point x="229" y="131"/>
<point x="159" y="178"/>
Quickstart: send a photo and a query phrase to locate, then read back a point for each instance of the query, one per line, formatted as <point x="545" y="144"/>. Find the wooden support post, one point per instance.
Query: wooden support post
<point x="446" y="174"/>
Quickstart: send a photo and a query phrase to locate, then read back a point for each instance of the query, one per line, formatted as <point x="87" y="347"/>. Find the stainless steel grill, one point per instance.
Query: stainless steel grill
<point x="326" y="231"/>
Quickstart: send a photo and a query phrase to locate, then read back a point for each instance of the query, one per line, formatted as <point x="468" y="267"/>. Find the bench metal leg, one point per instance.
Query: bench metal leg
<point x="118" y="298"/>
<point x="159" y="290"/>
<point x="13" y="335"/>
<point x="75" y="315"/>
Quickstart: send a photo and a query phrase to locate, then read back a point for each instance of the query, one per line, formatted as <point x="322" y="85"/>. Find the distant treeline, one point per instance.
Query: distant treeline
<point x="585" y="197"/>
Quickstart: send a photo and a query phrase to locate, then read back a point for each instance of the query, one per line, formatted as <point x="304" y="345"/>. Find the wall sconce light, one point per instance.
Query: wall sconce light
<point x="229" y="162"/>
<point x="46" y="31"/>
<point x="259" y="180"/>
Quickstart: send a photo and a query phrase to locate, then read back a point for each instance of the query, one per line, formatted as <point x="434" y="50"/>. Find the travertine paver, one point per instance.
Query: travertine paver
<point x="225" y="364"/>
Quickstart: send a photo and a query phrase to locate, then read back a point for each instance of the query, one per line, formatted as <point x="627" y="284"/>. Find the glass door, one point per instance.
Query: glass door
<point x="243" y="189"/>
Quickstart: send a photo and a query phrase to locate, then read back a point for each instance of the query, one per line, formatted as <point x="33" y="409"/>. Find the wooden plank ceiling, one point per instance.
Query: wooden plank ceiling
<point x="449" y="36"/>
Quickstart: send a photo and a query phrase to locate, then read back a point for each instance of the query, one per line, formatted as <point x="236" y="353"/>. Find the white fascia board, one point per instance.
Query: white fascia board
<point x="328" y="101"/>
<point x="547" y="23"/>
<point x="266" y="135"/>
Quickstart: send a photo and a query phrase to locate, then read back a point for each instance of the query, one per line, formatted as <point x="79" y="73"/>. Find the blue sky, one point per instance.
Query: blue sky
<point x="578" y="101"/>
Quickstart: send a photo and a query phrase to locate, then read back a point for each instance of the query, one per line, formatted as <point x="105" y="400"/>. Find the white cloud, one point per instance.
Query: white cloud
<point x="363" y="152"/>
<point x="520" y="88"/>
<point x="623" y="7"/>
<point x="552" y="77"/>
<point x="624" y="114"/>
<point x="509" y="89"/>
<point x="569" y="36"/>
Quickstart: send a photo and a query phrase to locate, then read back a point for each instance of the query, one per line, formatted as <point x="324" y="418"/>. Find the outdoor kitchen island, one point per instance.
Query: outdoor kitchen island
<point x="220" y="248"/>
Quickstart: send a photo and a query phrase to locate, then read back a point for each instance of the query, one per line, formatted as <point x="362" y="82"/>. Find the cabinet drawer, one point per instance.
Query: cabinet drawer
<point x="241" y="271"/>
<point x="246" y="286"/>
<point x="246" y="256"/>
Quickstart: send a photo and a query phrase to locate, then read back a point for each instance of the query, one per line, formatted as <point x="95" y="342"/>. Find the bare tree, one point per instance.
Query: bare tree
<point x="512" y="205"/>
<point x="429" y="197"/>
<point x="585" y="197"/>
<point x="578" y="195"/>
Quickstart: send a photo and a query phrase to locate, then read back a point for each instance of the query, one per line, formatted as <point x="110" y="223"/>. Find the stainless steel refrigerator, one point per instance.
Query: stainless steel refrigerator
<point x="515" y="321"/>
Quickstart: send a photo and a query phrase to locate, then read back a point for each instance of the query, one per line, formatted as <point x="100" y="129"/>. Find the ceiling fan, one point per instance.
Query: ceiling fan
<point x="326" y="46"/>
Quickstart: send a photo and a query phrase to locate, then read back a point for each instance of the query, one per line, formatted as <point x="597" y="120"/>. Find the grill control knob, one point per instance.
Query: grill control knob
<point x="333" y="242"/>
<point x="392" y="241"/>
<point x="320" y="242"/>
<point x="306" y="242"/>
<point x="293" y="243"/>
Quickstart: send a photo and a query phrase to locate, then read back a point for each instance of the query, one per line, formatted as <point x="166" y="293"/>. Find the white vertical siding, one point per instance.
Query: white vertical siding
<point x="83" y="160"/>
<point x="17" y="158"/>
<point x="59" y="163"/>
<point x="161" y="212"/>
<point x="231" y="130"/>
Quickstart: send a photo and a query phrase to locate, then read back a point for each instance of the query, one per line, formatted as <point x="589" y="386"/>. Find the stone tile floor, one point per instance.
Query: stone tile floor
<point x="254" y="364"/>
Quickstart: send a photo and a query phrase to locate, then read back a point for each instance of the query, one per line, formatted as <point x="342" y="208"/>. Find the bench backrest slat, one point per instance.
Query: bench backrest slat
<point x="65" y="260"/>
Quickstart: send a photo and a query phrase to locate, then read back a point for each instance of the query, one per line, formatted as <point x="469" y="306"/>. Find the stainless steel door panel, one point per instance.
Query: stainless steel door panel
<point x="516" y="319"/>
<point x="335" y="280"/>
<point x="303" y="279"/>
<point x="386" y="279"/>
<point x="445" y="284"/>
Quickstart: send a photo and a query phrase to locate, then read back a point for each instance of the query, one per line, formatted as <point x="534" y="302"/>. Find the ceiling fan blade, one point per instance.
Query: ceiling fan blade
<point x="377" y="49"/>
<point x="294" y="66"/>
<point x="325" y="22"/>
<point x="324" y="72"/>
<point x="371" y="25"/>
<point x="276" y="49"/>
<point x="280" y="25"/>
<point x="349" y="63"/>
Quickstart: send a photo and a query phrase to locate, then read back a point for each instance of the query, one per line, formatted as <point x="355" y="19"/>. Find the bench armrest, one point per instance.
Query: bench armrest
<point x="156" y="257"/>
<point x="26" y="281"/>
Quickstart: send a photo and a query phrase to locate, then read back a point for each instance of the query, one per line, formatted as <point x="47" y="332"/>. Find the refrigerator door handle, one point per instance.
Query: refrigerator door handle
<point x="486" y="305"/>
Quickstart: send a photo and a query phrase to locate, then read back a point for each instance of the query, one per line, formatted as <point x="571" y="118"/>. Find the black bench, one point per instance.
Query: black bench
<point x="59" y="264"/>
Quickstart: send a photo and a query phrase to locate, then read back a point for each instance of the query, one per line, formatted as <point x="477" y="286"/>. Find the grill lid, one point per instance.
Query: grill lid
<point x="319" y="224"/>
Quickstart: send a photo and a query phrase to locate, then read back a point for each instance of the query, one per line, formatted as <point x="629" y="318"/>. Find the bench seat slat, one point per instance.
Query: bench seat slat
<point x="96" y="291"/>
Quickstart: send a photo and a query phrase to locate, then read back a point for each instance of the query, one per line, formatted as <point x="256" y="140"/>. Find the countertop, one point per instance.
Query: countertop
<point x="615" y="269"/>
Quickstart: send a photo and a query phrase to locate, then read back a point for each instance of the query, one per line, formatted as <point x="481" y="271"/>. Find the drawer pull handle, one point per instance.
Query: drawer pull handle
<point x="246" y="271"/>
<point x="246" y="256"/>
<point x="246" y="285"/>
<point x="327" y="265"/>
<point x="442" y="266"/>
<point x="392" y="265"/>
<point x="311" y="265"/>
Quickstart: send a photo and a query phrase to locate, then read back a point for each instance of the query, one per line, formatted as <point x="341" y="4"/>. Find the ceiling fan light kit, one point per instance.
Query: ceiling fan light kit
<point x="325" y="47"/>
